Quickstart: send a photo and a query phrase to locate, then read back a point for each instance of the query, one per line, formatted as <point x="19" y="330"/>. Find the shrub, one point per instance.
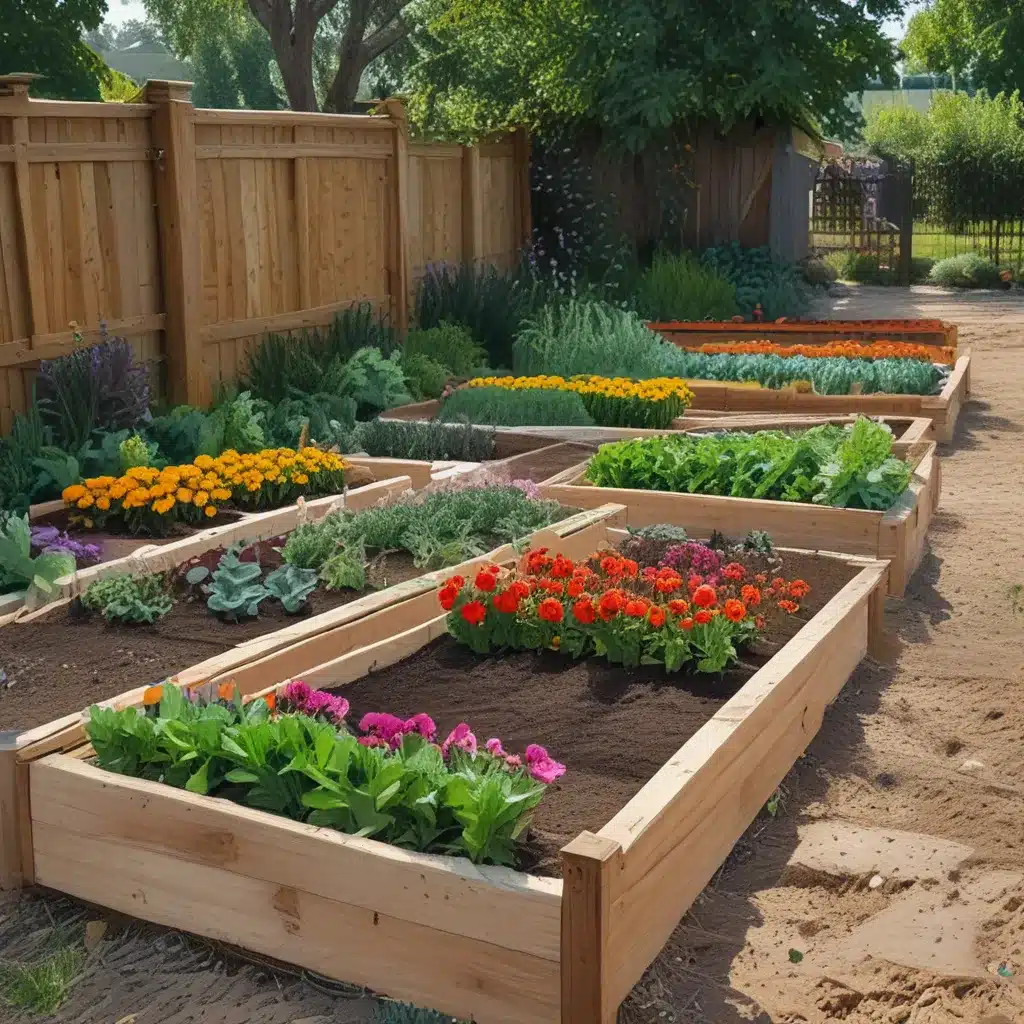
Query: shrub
<point x="501" y="407"/>
<point x="490" y="304"/>
<point x="968" y="270"/>
<point x="100" y="387"/>
<point x="583" y="336"/>
<point x="448" y="344"/>
<point x="127" y="598"/>
<point x="818" y="271"/>
<point x="393" y="439"/>
<point x="679" y="288"/>
<point x="425" y="377"/>
<point x="778" y="288"/>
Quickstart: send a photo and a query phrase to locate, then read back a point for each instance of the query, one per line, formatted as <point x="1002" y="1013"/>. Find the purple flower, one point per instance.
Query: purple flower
<point x="297" y="692"/>
<point x="50" y="539"/>
<point x="541" y="765"/>
<point x="461" y="738"/>
<point x="692" y="556"/>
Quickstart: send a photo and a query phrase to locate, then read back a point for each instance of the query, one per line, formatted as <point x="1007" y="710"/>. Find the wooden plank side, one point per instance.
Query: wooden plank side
<point x="679" y="828"/>
<point x="101" y="857"/>
<point x="450" y="894"/>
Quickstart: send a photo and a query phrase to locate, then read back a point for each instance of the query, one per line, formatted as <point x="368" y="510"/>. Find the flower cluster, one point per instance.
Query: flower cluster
<point x="841" y="349"/>
<point x="608" y="605"/>
<point x="612" y="401"/>
<point x="302" y="698"/>
<point x="149" y="500"/>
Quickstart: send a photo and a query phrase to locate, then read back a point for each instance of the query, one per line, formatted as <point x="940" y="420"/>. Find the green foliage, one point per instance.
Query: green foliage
<point x="345" y="569"/>
<point x="178" y="433"/>
<point x="232" y="66"/>
<point x="434" y="441"/>
<point x="425" y="377"/>
<point x="374" y="382"/>
<point x="39" y="987"/>
<point x="449" y="344"/>
<point x="850" y="467"/>
<point x="19" y="570"/>
<point x="403" y="1013"/>
<point x="236" y="422"/>
<point x="759" y="542"/>
<point x="829" y="375"/>
<point x="310" y="770"/>
<point x="778" y="288"/>
<point x="128" y="598"/>
<point x="639" y="67"/>
<point x="325" y="418"/>
<point x="489" y="304"/>
<point x="502" y="407"/>
<point x="19" y="474"/>
<point x="291" y="586"/>
<point x="309" y="545"/>
<point x="866" y="268"/>
<point x="583" y="336"/>
<point x="818" y="271"/>
<point x="235" y="590"/>
<point x="968" y="270"/>
<point x="677" y="287"/>
<point x="135" y="451"/>
<point x="660" y="533"/>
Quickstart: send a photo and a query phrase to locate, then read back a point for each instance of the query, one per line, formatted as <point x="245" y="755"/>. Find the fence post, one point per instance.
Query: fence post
<point x="177" y="217"/>
<point x="16" y="861"/>
<point x="395" y="109"/>
<point x="472" y="207"/>
<point x="523" y="202"/>
<point x="587" y="865"/>
<point x="906" y="222"/>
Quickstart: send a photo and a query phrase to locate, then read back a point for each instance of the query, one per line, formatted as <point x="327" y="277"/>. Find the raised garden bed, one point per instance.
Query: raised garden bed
<point x="897" y="535"/>
<point x="802" y="332"/>
<point x="492" y="944"/>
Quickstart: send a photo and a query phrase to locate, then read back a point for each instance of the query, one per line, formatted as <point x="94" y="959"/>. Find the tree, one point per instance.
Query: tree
<point x="232" y="67"/>
<point x="45" y="37"/>
<point x="362" y="31"/>
<point x="636" y="67"/>
<point x="982" y="38"/>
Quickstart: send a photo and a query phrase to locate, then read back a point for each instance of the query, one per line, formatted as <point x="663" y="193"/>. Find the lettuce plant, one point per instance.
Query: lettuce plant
<point x="19" y="570"/>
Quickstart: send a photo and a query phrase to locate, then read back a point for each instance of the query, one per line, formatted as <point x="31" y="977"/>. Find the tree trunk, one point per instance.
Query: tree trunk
<point x="291" y="36"/>
<point x="341" y="96"/>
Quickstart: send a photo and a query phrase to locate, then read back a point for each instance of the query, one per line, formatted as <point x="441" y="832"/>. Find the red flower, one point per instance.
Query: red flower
<point x="637" y="608"/>
<point x="447" y="597"/>
<point x="610" y="605"/>
<point x="551" y="587"/>
<point x="734" y="571"/>
<point x="455" y="581"/>
<point x="485" y="580"/>
<point x="550" y="610"/>
<point x="679" y="607"/>
<point x="799" y="589"/>
<point x="759" y="622"/>
<point x="575" y="587"/>
<point x="778" y="583"/>
<point x="694" y="581"/>
<point x="610" y="564"/>
<point x="702" y="618"/>
<point x="735" y="611"/>
<point x="629" y="567"/>
<point x="474" y="612"/>
<point x="667" y="584"/>
<point x="583" y="611"/>
<point x="686" y="624"/>
<point x="789" y="606"/>
<point x="704" y="596"/>
<point x="521" y="588"/>
<point x="656" y="616"/>
<point x="507" y="601"/>
<point x="751" y="595"/>
<point x="537" y="561"/>
<point x="761" y="579"/>
<point x="562" y="567"/>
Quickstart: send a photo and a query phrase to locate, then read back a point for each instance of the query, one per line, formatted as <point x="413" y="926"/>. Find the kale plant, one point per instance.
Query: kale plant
<point x="291" y="586"/>
<point x="235" y="590"/>
<point x="128" y="598"/>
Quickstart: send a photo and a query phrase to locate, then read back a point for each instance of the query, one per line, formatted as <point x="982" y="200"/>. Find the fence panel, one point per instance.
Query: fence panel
<point x="194" y="232"/>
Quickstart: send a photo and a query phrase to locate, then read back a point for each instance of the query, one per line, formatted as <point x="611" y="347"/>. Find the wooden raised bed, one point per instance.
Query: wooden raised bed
<point x="897" y="535"/>
<point x="490" y="944"/>
<point x="808" y="332"/>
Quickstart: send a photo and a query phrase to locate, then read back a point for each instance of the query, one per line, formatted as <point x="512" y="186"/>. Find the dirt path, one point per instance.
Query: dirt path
<point x="885" y="928"/>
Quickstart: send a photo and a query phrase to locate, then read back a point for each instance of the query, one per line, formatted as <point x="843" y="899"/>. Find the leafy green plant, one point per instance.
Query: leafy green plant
<point x="323" y="418"/>
<point x="41" y="985"/>
<point x="135" y="451"/>
<point x="850" y="467"/>
<point x="235" y="590"/>
<point x="759" y="542"/>
<point x="427" y="441"/>
<point x="374" y="382"/>
<point x="449" y="344"/>
<point x="778" y="288"/>
<point x="19" y="570"/>
<point x="345" y="569"/>
<point x="236" y="423"/>
<point x="291" y="586"/>
<point x="128" y="598"/>
<point x="177" y="433"/>
<point x="388" y="1012"/>
<point x="309" y="545"/>
<point x="502" y="407"/>
<point x="425" y="377"/>
<point x="677" y="287"/>
<point x="968" y="270"/>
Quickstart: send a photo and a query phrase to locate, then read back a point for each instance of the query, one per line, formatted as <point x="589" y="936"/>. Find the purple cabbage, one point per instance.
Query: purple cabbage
<point x="49" y="538"/>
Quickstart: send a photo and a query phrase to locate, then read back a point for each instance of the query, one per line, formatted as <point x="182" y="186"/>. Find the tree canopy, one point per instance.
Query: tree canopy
<point x="638" y="66"/>
<point x="45" y="37"/>
<point x="982" y="38"/>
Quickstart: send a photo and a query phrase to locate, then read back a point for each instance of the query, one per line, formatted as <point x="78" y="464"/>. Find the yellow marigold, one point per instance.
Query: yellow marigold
<point x="73" y="493"/>
<point x="85" y="501"/>
<point x="220" y="494"/>
<point x="144" y="474"/>
<point x="190" y="472"/>
<point x="273" y="474"/>
<point x="184" y="495"/>
<point x="300" y="478"/>
<point x="158" y="490"/>
<point x="103" y="503"/>
<point x="200" y="498"/>
<point x="210" y="511"/>
<point x="204" y="462"/>
<point x="117" y="490"/>
<point x="163" y="505"/>
<point x="99" y="483"/>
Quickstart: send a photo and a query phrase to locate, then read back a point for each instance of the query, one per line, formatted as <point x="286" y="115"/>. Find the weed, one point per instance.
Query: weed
<point x="40" y="987"/>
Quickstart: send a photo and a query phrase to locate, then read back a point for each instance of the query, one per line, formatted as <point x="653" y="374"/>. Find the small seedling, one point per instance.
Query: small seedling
<point x="795" y="956"/>
<point x="776" y="803"/>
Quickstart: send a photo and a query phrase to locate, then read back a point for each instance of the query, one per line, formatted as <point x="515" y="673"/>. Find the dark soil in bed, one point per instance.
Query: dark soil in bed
<point x="544" y="463"/>
<point x="69" y="658"/>
<point x="613" y="728"/>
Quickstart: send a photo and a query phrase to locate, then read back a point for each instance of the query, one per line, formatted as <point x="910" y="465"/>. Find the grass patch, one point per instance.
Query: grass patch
<point x="40" y="986"/>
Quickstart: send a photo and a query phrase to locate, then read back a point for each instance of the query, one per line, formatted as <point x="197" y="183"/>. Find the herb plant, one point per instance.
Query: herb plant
<point x="677" y="287"/>
<point x="427" y="441"/>
<point x="424" y="377"/>
<point x="501" y="407"/>
<point x="235" y="590"/>
<point x="128" y="598"/>
<point x="374" y="382"/>
<point x="449" y="344"/>
<point x="345" y="569"/>
<point x="778" y="288"/>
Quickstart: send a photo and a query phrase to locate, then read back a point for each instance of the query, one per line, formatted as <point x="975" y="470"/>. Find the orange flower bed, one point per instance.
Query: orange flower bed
<point x="843" y="349"/>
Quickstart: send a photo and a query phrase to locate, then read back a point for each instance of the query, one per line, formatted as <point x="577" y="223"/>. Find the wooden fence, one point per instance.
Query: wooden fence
<point x="194" y="232"/>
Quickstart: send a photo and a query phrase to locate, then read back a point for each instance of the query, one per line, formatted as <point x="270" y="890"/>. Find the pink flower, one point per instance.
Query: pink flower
<point x="513" y="761"/>
<point x="387" y="727"/>
<point x="541" y="766"/>
<point x="459" y="737"/>
<point x="494" y="747"/>
<point x="422" y="724"/>
<point x="372" y="741"/>
<point x="297" y="692"/>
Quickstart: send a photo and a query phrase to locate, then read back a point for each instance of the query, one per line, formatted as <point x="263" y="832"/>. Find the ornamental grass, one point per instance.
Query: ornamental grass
<point x="840" y="349"/>
<point x="611" y="401"/>
<point x="151" y="501"/>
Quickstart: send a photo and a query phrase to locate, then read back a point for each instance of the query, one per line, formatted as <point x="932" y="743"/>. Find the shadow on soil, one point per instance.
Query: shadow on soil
<point x="974" y="423"/>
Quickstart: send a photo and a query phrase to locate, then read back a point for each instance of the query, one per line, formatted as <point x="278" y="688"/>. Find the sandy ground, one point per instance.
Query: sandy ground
<point x="930" y="744"/>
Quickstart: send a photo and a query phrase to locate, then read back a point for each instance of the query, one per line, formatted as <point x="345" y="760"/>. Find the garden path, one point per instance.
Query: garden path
<point x="894" y="756"/>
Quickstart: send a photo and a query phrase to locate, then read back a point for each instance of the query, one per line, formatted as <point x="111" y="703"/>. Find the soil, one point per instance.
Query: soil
<point x="613" y="727"/>
<point x="544" y="463"/>
<point x="70" y="658"/>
